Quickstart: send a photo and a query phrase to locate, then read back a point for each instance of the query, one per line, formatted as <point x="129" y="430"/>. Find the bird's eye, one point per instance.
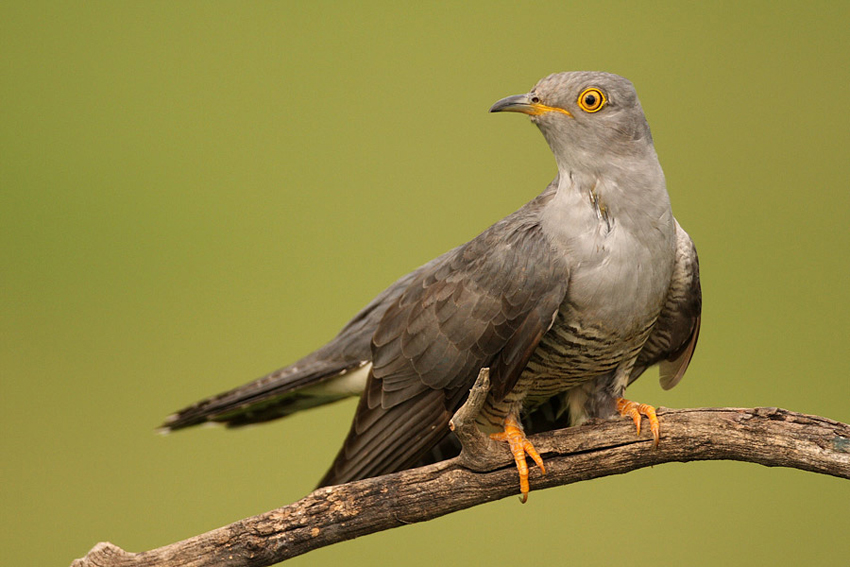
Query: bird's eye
<point x="535" y="99"/>
<point x="591" y="100"/>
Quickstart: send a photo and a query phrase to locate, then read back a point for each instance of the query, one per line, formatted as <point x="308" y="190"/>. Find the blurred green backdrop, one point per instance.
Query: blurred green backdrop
<point x="196" y="193"/>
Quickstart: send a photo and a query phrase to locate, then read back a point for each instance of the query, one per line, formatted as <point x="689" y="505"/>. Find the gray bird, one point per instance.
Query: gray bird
<point x="567" y="301"/>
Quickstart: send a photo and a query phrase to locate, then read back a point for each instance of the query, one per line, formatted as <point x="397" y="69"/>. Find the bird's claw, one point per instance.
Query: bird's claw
<point x="520" y="446"/>
<point x="635" y="411"/>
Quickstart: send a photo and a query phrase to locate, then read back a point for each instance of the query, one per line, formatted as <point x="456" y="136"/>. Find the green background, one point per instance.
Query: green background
<point x="195" y="193"/>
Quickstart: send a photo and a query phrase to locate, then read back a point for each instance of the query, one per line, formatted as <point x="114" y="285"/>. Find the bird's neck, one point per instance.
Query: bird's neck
<point x="623" y="193"/>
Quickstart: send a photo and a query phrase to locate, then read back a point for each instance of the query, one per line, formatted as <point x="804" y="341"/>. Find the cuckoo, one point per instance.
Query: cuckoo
<point x="567" y="301"/>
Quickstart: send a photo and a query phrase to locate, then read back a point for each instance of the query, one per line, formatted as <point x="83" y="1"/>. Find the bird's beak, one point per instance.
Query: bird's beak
<point x="522" y="103"/>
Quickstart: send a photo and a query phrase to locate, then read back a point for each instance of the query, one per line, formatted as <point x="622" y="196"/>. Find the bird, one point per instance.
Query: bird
<point x="567" y="301"/>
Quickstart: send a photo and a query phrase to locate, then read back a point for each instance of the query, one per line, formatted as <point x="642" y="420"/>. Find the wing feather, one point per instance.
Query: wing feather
<point x="487" y="304"/>
<point x="673" y="340"/>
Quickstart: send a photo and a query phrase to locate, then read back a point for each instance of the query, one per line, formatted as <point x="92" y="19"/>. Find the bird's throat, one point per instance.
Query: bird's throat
<point x="599" y="206"/>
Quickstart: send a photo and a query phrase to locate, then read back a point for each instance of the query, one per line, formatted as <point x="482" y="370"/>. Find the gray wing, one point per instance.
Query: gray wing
<point x="300" y="385"/>
<point x="487" y="303"/>
<point x="674" y="338"/>
<point x="310" y="381"/>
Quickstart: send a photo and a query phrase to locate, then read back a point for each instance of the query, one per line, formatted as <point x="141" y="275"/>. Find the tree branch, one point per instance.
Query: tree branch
<point x="768" y="436"/>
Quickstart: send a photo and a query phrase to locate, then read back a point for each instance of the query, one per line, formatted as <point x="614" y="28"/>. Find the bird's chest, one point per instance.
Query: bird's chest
<point x="618" y="279"/>
<point x="620" y="264"/>
<point x="617" y="286"/>
<point x="620" y="261"/>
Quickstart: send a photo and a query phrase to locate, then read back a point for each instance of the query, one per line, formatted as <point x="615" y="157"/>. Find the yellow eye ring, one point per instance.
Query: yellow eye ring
<point x="591" y="100"/>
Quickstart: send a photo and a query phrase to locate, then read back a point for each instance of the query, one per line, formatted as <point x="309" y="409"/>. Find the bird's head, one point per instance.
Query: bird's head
<point x="586" y="117"/>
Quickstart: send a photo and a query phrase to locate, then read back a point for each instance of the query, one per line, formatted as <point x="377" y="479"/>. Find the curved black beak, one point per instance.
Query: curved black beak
<point x="523" y="103"/>
<point x="516" y="103"/>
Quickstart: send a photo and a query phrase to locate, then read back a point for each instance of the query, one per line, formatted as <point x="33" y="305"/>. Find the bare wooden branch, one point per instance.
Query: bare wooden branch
<point x="768" y="436"/>
<point x="478" y="452"/>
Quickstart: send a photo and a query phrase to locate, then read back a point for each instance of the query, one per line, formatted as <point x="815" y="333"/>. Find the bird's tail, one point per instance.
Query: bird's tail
<point x="305" y="384"/>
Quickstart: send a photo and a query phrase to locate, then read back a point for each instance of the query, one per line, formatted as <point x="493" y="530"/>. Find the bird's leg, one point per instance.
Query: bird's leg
<point x="635" y="410"/>
<point x="520" y="446"/>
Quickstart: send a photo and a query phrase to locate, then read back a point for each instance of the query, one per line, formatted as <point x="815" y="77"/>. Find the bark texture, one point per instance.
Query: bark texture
<point x="768" y="436"/>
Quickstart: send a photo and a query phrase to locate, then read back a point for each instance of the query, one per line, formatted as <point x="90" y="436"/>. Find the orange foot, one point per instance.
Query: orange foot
<point x="635" y="410"/>
<point x="519" y="445"/>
